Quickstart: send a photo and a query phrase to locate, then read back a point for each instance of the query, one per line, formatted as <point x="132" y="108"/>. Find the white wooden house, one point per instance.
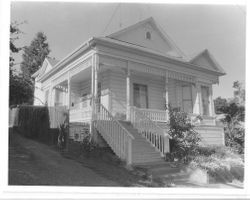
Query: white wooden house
<point x="120" y="85"/>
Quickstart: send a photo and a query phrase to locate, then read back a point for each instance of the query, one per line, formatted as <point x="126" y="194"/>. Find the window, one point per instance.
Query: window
<point x="148" y="35"/>
<point x="187" y="99"/>
<point x="140" y="95"/>
<point x="184" y="98"/>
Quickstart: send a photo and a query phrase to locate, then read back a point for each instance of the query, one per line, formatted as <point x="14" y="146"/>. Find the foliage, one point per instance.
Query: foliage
<point x="185" y="139"/>
<point x="20" y="90"/>
<point x="34" y="55"/>
<point x="239" y="93"/>
<point x="88" y="145"/>
<point x="234" y="126"/>
<point x="220" y="162"/>
<point x="234" y="117"/>
<point x="220" y="104"/>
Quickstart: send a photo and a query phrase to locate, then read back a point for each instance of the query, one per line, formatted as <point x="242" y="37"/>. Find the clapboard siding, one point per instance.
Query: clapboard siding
<point x="211" y="135"/>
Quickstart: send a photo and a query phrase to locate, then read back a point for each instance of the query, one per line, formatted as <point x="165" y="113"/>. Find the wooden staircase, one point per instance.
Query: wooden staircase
<point x="142" y="151"/>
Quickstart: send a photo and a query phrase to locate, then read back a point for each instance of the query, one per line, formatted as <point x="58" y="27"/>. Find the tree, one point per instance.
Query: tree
<point x="239" y="93"/>
<point x="34" y="55"/>
<point x="234" y="111"/>
<point x="220" y="104"/>
<point x="19" y="90"/>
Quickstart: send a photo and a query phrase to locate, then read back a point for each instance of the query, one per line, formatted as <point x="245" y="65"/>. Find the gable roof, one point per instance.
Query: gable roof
<point x="205" y="59"/>
<point x="112" y="40"/>
<point x="165" y="43"/>
<point x="47" y="65"/>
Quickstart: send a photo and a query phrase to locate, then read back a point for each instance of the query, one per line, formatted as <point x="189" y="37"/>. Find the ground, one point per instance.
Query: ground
<point x="34" y="163"/>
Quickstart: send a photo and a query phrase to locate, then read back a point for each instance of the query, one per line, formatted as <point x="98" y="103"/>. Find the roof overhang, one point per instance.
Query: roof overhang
<point x="90" y="43"/>
<point x="154" y="54"/>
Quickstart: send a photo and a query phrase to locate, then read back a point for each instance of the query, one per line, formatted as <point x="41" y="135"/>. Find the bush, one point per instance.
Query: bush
<point x="87" y="145"/>
<point x="220" y="162"/>
<point x="185" y="140"/>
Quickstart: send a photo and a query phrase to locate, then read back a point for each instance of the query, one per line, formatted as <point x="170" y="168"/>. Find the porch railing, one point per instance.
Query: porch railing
<point x="81" y="112"/>
<point x="118" y="138"/>
<point x="150" y="130"/>
<point x="203" y="120"/>
<point x="155" y="115"/>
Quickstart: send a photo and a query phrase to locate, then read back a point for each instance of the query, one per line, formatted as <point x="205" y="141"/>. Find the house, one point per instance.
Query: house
<point x="120" y="85"/>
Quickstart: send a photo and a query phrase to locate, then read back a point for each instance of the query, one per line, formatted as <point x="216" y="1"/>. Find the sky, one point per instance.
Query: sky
<point x="218" y="28"/>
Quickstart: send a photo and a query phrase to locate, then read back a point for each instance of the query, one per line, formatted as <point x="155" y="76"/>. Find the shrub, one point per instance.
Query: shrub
<point x="184" y="140"/>
<point x="88" y="145"/>
<point x="220" y="162"/>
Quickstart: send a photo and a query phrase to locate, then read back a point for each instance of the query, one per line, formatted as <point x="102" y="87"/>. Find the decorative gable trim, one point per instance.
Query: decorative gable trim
<point x="206" y="54"/>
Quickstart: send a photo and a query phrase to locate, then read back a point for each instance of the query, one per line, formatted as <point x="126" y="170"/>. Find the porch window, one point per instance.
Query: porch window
<point x="140" y="95"/>
<point x="187" y="99"/>
<point x="184" y="100"/>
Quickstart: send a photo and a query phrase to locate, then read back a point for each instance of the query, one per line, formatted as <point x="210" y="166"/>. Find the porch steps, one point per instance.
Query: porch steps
<point x="142" y="151"/>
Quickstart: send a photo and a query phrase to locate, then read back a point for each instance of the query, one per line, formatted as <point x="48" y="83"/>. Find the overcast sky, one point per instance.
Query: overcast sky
<point x="219" y="28"/>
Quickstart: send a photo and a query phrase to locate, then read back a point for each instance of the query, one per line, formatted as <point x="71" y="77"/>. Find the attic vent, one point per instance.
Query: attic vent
<point x="148" y="35"/>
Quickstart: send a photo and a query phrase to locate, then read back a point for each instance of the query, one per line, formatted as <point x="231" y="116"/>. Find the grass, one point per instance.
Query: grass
<point x="221" y="163"/>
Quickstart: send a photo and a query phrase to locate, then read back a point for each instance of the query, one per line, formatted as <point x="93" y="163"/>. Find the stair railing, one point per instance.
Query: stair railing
<point x="118" y="138"/>
<point x="150" y="130"/>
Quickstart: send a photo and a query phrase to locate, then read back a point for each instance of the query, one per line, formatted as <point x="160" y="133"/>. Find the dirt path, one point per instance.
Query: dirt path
<point x="33" y="163"/>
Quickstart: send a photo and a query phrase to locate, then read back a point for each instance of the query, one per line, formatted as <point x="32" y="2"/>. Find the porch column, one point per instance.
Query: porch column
<point x="92" y="95"/>
<point x="128" y="94"/>
<point x="69" y="92"/>
<point x="96" y="69"/>
<point x="166" y="95"/>
<point x="195" y="97"/>
<point x="52" y="96"/>
<point x="199" y="98"/>
<point x="211" y="101"/>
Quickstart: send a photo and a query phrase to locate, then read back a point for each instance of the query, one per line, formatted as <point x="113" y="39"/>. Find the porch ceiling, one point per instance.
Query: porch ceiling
<point x="81" y="76"/>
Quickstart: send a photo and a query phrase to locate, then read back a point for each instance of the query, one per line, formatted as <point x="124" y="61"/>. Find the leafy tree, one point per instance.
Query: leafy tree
<point x="220" y="104"/>
<point x="34" y="55"/>
<point x="239" y="93"/>
<point x="234" y="111"/>
<point x="19" y="90"/>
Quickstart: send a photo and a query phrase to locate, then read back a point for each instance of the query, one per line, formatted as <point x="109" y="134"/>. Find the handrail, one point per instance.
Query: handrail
<point x="132" y="137"/>
<point x="150" y="130"/>
<point x="118" y="138"/>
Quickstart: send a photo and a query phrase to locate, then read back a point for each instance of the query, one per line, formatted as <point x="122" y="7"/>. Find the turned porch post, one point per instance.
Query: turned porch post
<point x="166" y="95"/>
<point x="69" y="91"/>
<point x="211" y="101"/>
<point x="128" y="94"/>
<point x="96" y="69"/>
<point x="92" y="94"/>
<point x="199" y="98"/>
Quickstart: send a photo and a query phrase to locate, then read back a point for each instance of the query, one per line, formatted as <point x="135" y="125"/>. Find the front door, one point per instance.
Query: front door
<point x="205" y="100"/>
<point x="140" y="95"/>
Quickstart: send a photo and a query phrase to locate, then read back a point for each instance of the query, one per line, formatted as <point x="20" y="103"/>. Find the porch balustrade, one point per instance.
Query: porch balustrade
<point x="155" y="115"/>
<point x="81" y="112"/>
